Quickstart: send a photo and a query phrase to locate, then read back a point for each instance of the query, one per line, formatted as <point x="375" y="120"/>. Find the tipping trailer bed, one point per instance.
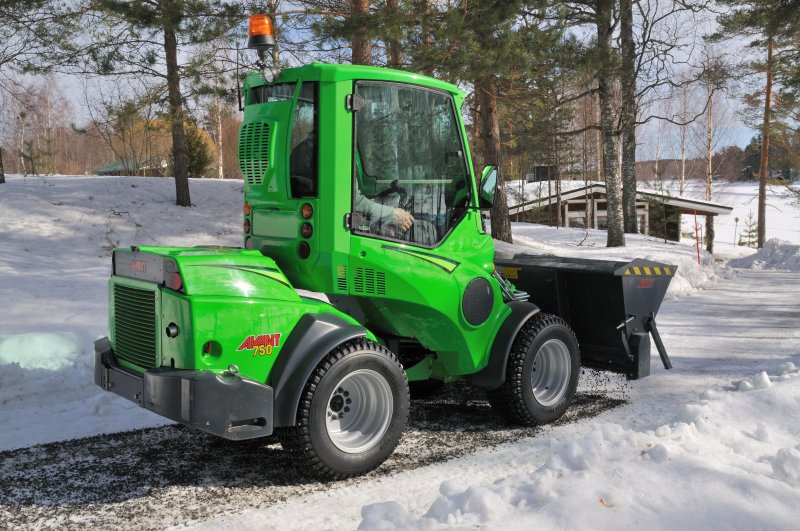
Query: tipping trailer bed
<point x="611" y="305"/>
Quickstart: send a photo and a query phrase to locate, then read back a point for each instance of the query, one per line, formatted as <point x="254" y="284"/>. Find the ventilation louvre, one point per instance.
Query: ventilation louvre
<point x="341" y="278"/>
<point x="369" y="281"/>
<point x="254" y="151"/>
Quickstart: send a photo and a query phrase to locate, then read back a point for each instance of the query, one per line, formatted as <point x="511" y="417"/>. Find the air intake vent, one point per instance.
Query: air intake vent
<point x="341" y="278"/>
<point x="135" y="326"/>
<point x="254" y="151"/>
<point x="369" y="282"/>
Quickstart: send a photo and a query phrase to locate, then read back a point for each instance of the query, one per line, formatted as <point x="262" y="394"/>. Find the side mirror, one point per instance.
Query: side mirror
<point x="488" y="187"/>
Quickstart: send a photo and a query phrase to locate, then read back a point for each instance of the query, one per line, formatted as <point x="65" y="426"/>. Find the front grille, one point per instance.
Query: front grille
<point x="135" y="326"/>
<point x="254" y="151"/>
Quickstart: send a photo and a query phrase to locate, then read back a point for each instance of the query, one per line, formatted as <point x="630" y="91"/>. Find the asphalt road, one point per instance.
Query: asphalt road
<point x="160" y="477"/>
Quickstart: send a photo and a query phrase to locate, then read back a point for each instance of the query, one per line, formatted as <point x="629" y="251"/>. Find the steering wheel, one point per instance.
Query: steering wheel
<point x="394" y="188"/>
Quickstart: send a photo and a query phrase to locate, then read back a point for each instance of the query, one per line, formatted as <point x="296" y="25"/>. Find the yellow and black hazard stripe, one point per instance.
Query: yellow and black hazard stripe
<point x="649" y="271"/>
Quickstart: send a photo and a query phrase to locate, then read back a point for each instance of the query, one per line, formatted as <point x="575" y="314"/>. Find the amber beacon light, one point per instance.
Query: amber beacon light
<point x="260" y="35"/>
<point x="261" y="38"/>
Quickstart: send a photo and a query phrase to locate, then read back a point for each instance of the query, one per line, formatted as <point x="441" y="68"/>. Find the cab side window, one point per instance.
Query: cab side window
<point x="304" y="146"/>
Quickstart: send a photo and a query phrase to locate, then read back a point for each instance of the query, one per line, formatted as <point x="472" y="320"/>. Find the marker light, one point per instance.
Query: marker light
<point x="174" y="281"/>
<point x="303" y="250"/>
<point x="260" y="34"/>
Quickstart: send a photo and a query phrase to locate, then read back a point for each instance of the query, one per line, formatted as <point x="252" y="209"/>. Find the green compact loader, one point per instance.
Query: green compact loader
<point x="359" y="186"/>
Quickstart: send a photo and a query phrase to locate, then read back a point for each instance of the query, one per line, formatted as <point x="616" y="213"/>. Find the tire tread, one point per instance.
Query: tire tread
<point x="507" y="400"/>
<point x="297" y="439"/>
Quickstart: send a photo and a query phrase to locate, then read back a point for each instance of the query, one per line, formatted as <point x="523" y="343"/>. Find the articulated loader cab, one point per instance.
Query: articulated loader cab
<point x="354" y="148"/>
<point x="359" y="186"/>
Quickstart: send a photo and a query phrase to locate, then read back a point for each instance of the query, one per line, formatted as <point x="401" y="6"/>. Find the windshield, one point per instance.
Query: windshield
<point x="409" y="155"/>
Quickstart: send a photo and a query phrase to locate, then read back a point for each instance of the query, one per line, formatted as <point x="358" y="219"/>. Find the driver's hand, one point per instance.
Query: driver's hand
<point x="402" y="219"/>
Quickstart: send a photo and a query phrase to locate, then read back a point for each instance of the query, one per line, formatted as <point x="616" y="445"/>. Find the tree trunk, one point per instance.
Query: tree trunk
<point x="764" y="169"/>
<point x="628" y="118"/>
<point x="2" y="169"/>
<point x="486" y="89"/>
<point x="176" y="117"/>
<point x="220" y="160"/>
<point x="360" y="42"/>
<point x="710" y="169"/>
<point x="605" y="80"/>
<point x="710" y="234"/>
<point x="683" y="134"/>
<point x="273" y="13"/>
<point x="422" y="9"/>
<point x="393" y="42"/>
<point x="560" y="220"/>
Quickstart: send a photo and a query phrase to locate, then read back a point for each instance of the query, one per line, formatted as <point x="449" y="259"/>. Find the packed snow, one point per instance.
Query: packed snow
<point x="55" y="260"/>
<point x="713" y="443"/>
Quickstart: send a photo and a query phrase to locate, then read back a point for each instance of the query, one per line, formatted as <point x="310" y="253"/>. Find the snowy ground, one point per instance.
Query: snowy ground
<point x="712" y="443"/>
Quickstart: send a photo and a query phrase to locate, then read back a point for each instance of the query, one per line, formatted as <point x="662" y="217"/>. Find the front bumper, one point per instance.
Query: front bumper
<point x="226" y="405"/>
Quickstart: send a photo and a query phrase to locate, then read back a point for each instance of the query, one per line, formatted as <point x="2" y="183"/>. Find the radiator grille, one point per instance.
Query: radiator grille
<point x="369" y="281"/>
<point x="135" y="326"/>
<point x="254" y="151"/>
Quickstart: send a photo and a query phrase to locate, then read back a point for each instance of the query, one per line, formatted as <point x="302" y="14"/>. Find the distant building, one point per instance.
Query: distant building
<point x="122" y="167"/>
<point x="541" y="172"/>
<point x="659" y="214"/>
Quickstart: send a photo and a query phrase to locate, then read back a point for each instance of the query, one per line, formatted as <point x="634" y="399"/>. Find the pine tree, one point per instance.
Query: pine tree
<point x="770" y="24"/>
<point x="129" y="37"/>
<point x="749" y="235"/>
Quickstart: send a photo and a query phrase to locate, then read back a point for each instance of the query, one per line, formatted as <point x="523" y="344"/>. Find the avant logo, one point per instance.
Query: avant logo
<point x="262" y="345"/>
<point x="139" y="265"/>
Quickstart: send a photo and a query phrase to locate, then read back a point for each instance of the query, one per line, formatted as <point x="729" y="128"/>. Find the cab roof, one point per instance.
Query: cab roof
<point x="343" y="72"/>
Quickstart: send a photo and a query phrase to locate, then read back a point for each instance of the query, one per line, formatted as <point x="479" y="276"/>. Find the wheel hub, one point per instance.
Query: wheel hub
<point x="359" y="411"/>
<point x="551" y="372"/>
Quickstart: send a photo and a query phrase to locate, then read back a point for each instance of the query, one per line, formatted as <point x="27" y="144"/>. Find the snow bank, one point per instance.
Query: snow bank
<point x="776" y="254"/>
<point x="615" y="477"/>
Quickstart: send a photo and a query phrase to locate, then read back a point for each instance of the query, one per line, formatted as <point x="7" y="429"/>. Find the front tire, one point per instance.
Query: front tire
<point x="352" y="411"/>
<point x="541" y="373"/>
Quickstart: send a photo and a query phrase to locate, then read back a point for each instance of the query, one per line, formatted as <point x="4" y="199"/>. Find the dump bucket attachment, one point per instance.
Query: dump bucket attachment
<point x="610" y="305"/>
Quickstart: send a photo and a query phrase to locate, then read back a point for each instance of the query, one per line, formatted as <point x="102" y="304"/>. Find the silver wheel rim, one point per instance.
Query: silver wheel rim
<point x="359" y="411"/>
<point x="551" y="372"/>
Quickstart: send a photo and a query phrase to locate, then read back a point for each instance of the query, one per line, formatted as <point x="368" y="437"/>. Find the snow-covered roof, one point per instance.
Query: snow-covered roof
<point x="685" y="204"/>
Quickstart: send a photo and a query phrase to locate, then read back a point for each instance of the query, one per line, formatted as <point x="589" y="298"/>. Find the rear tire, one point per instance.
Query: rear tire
<point x="541" y="373"/>
<point x="352" y="412"/>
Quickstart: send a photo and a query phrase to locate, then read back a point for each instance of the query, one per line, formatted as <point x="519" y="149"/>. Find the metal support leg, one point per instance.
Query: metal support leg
<point x="651" y="325"/>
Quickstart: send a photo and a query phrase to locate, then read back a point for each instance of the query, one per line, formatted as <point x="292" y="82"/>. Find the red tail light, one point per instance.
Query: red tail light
<point x="306" y="211"/>
<point x="247" y="209"/>
<point x="247" y="226"/>
<point x="174" y="281"/>
<point x="304" y="250"/>
<point x="306" y="230"/>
